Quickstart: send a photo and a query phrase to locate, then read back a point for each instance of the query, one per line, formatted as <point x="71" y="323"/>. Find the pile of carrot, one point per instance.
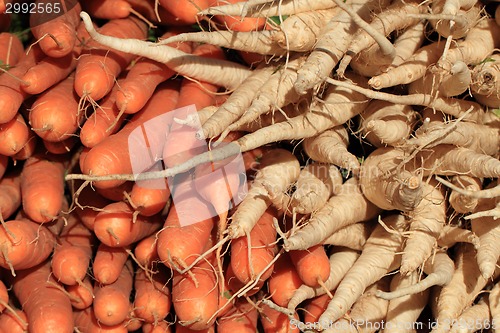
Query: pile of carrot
<point x="366" y="196"/>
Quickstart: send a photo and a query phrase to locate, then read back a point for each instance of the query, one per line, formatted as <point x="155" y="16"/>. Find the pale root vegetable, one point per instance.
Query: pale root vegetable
<point x="271" y="8"/>
<point x="330" y="146"/>
<point x="235" y="105"/>
<point x="461" y="203"/>
<point x="274" y="94"/>
<point x="341" y="261"/>
<point x="383" y="187"/>
<point x="460" y="293"/>
<point x="389" y="20"/>
<point x="403" y="312"/>
<point x="439" y="270"/>
<point x="454" y="18"/>
<point x="411" y="69"/>
<point x="314" y="186"/>
<point x="354" y="236"/>
<point x="369" y="311"/>
<point x="486" y="81"/>
<point x="379" y="256"/>
<point x="331" y="45"/>
<point x="487" y="228"/>
<point x="475" y="318"/>
<point x="452" y="234"/>
<point x="300" y="31"/>
<point x="384" y="123"/>
<point x="494" y="303"/>
<point x="426" y="222"/>
<point x="219" y="72"/>
<point x="369" y="62"/>
<point x="278" y="169"/>
<point x="347" y="207"/>
<point x="456" y="107"/>
<point x="260" y="42"/>
<point x="274" y="321"/>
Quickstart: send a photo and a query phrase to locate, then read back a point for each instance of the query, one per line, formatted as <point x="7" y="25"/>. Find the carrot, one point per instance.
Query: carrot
<point x="195" y="297"/>
<point x="154" y="13"/>
<point x="236" y="287"/>
<point x="229" y="74"/>
<point x="11" y="49"/>
<point x="183" y="329"/>
<point x="379" y="253"/>
<point x="55" y="31"/>
<point x="26" y="243"/>
<point x="283" y="281"/>
<point x="108" y="9"/>
<point x="117" y="193"/>
<point x="11" y="94"/>
<point x="149" y="200"/>
<point x="185" y="11"/>
<point x="85" y="321"/>
<point x="236" y="23"/>
<point x="71" y="257"/>
<point x="13" y="323"/>
<point x="47" y="308"/>
<point x="314" y="308"/>
<point x="40" y="174"/>
<point x="241" y="318"/>
<point x="29" y="148"/>
<point x="161" y="327"/>
<point x="267" y="9"/>
<point x="89" y="205"/>
<point x="10" y="194"/>
<point x="152" y="295"/>
<point x="277" y="322"/>
<point x="349" y="206"/>
<point x="115" y="227"/>
<point x="146" y="252"/>
<point x="108" y="263"/>
<point x="142" y="79"/>
<point x="111" y="302"/>
<point x="13" y="136"/>
<point x="252" y="254"/>
<point x="111" y="156"/>
<point x="97" y="69"/>
<point x="60" y="147"/>
<point x="341" y="261"/>
<point x="312" y="265"/>
<point x="81" y="294"/>
<point x="55" y="115"/>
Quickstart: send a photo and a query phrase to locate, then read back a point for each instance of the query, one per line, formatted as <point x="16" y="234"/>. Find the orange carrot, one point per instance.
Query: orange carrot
<point x="183" y="329"/>
<point x="60" y="147"/>
<point x="284" y="281"/>
<point x="152" y="295"/>
<point x="11" y="94"/>
<point x="147" y="9"/>
<point x="55" y="31"/>
<point x="260" y="251"/>
<point x="107" y="9"/>
<point x="313" y="265"/>
<point x="13" y="323"/>
<point x="149" y="200"/>
<point x="48" y="308"/>
<point x="81" y="294"/>
<point x="116" y="193"/>
<point x="111" y="302"/>
<point x="42" y="187"/>
<point x="160" y="327"/>
<point x="242" y="318"/>
<point x="90" y="203"/>
<point x="276" y="322"/>
<point x="10" y="194"/>
<point x="115" y="227"/>
<point x="13" y="135"/>
<point x="108" y="263"/>
<point x="237" y="23"/>
<point x="146" y="252"/>
<point x="111" y="156"/>
<point x="104" y="121"/>
<point x="85" y="321"/>
<point x="196" y="302"/>
<point x="55" y="115"/>
<point x="315" y="307"/>
<point x="98" y="68"/>
<point x="29" y="148"/>
<point x="25" y="244"/>
<point x="185" y="11"/>
<point x="142" y="79"/>
<point x="11" y="49"/>
<point x="73" y="252"/>
<point x="235" y="285"/>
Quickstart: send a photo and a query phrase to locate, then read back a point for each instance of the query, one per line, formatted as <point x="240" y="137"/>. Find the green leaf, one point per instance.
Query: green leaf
<point x="361" y="159"/>
<point x="277" y="19"/>
<point x="496" y="112"/>
<point x="4" y="66"/>
<point x="227" y="294"/>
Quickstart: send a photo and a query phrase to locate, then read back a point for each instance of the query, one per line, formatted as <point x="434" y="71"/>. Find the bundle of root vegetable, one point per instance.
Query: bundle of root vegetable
<point x="368" y="131"/>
